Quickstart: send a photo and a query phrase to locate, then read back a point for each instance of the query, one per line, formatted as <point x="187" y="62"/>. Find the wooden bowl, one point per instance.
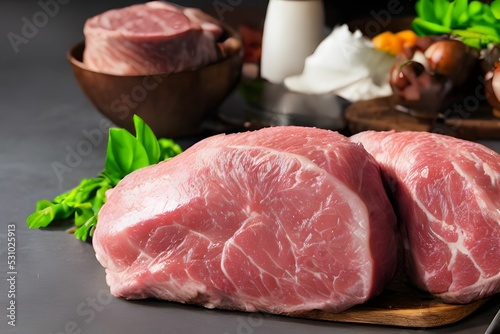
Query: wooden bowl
<point x="174" y="104"/>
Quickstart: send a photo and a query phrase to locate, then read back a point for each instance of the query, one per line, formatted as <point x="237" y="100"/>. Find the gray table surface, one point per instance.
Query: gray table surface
<point x="60" y="287"/>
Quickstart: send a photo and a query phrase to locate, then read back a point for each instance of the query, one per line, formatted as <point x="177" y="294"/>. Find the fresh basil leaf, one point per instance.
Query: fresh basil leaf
<point x="484" y="30"/>
<point x="40" y="219"/>
<point x="87" y="229"/>
<point x="463" y="20"/>
<point x="168" y="148"/>
<point x="495" y="8"/>
<point x="48" y="213"/>
<point x="448" y="15"/>
<point x="472" y="42"/>
<point x="63" y="197"/>
<point x="488" y="17"/>
<point x="460" y="16"/>
<point x="86" y="190"/>
<point x="475" y="37"/>
<point x="423" y="27"/>
<point x="42" y="204"/>
<point x="425" y="10"/>
<point x="147" y="138"/>
<point x="125" y="154"/>
<point x="475" y="9"/>
<point x="83" y="212"/>
<point x="100" y="197"/>
<point x="440" y="9"/>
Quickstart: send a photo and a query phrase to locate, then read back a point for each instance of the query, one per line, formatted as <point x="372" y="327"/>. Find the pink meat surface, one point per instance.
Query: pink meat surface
<point x="151" y="38"/>
<point x="447" y="193"/>
<point x="280" y="220"/>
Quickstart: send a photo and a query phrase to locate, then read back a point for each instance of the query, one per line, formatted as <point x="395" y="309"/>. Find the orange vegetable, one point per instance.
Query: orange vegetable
<point x="408" y="37"/>
<point x="388" y="42"/>
<point x="393" y="42"/>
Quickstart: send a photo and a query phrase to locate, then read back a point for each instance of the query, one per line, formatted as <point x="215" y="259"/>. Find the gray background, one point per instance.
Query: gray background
<point x="60" y="287"/>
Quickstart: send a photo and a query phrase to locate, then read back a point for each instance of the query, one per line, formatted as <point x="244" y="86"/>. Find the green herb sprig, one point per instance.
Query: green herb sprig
<point x="475" y="23"/>
<point x="125" y="154"/>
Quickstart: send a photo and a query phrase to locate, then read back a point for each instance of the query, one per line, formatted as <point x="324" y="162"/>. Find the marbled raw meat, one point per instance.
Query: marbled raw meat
<point x="447" y="195"/>
<point x="151" y="38"/>
<point x="281" y="220"/>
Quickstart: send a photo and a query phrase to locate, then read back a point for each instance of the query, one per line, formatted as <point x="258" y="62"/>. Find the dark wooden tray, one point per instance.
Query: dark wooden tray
<point x="381" y="114"/>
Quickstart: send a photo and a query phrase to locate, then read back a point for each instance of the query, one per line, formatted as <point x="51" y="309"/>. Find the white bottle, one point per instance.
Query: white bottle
<point x="292" y="31"/>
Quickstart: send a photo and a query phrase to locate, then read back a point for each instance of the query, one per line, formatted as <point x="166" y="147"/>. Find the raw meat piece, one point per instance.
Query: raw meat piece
<point x="282" y="219"/>
<point x="151" y="38"/>
<point x="447" y="193"/>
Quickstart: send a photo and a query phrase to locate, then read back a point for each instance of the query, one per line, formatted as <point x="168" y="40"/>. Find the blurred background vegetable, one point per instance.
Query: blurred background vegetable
<point x="475" y="23"/>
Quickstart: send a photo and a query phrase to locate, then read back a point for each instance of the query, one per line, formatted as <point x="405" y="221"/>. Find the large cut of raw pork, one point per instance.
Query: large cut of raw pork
<point x="282" y="219"/>
<point x="155" y="37"/>
<point x="447" y="196"/>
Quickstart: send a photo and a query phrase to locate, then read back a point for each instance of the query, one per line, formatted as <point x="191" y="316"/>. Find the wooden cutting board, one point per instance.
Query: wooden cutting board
<point x="380" y="114"/>
<point x="399" y="305"/>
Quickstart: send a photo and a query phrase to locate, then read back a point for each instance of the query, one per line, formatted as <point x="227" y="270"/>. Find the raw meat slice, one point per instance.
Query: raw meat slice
<point x="151" y="38"/>
<point x="280" y="220"/>
<point x="448" y="202"/>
